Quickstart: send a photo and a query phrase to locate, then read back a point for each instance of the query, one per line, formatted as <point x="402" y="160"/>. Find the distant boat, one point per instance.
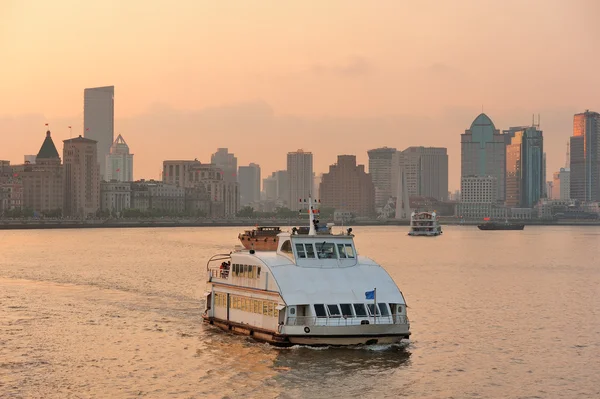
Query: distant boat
<point x="424" y="224"/>
<point x="506" y="225"/>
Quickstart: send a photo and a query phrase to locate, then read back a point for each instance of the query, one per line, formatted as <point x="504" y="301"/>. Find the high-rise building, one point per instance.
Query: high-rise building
<point x="276" y="187"/>
<point x="99" y="120"/>
<point x="119" y="162"/>
<point x="561" y="184"/>
<point x="380" y="169"/>
<point x="347" y="187"/>
<point x="584" y="157"/>
<point x="227" y="162"/>
<point x="249" y="180"/>
<point x="525" y="177"/>
<point x="43" y="180"/>
<point x="426" y="172"/>
<point x="483" y="153"/>
<point x="81" y="177"/>
<point x="300" y="175"/>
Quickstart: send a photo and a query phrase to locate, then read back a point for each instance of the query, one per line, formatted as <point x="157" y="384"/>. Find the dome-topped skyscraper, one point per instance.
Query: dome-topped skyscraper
<point x="483" y="152"/>
<point x="119" y="162"/>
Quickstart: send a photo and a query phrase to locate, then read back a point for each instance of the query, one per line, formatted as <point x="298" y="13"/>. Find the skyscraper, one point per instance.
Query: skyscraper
<point x="81" y="177"/>
<point x="525" y="177"/>
<point x="300" y="175"/>
<point x="347" y="187"/>
<point x="380" y="169"/>
<point x="249" y="180"/>
<point x="426" y="172"/>
<point x="99" y="120"/>
<point x="585" y="153"/>
<point x="119" y="162"/>
<point x="483" y="153"/>
<point x="227" y="162"/>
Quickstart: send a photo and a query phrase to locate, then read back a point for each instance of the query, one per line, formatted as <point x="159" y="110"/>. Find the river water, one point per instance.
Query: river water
<point x="115" y="313"/>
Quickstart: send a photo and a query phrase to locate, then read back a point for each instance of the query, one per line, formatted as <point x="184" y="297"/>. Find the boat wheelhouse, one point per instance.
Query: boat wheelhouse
<point x="314" y="289"/>
<point x="424" y="224"/>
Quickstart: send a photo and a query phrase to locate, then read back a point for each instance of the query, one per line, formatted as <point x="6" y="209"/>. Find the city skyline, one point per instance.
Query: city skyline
<point x="349" y="76"/>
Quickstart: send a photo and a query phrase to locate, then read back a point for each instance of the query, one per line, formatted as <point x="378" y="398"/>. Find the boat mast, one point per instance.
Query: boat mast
<point x="311" y="218"/>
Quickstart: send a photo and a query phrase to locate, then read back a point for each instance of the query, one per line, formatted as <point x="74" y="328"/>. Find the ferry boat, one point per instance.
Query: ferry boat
<point x="424" y="224"/>
<point x="260" y="239"/>
<point x="506" y="225"/>
<point x="313" y="290"/>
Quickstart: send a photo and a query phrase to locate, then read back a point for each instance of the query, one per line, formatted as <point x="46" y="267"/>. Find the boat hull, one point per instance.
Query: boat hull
<point x="501" y="227"/>
<point x="318" y="336"/>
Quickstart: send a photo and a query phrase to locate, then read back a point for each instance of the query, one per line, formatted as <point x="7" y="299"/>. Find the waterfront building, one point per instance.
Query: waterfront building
<point x="380" y="169"/>
<point x="249" y="181"/>
<point x="585" y="157"/>
<point x="347" y="187"/>
<point x="561" y="184"/>
<point x="115" y="196"/>
<point x="149" y="195"/>
<point x="479" y="198"/>
<point x="207" y="178"/>
<point x="42" y="181"/>
<point x="300" y="178"/>
<point x="425" y="169"/>
<point x="483" y="153"/>
<point x="81" y="177"/>
<point x="525" y="177"/>
<point x="99" y="121"/>
<point x="227" y="162"/>
<point x="119" y="162"/>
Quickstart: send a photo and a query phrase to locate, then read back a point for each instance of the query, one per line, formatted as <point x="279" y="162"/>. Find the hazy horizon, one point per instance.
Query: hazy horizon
<point x="265" y="78"/>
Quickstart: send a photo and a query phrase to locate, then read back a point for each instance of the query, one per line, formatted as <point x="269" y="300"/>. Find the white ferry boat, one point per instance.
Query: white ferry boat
<point x="424" y="224"/>
<point x="313" y="290"/>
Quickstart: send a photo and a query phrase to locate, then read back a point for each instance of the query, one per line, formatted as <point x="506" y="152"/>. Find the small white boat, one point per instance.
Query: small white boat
<point x="313" y="290"/>
<point x="424" y="224"/>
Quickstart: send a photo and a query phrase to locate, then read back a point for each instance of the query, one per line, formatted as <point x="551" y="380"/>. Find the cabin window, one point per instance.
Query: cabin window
<point x="347" y="250"/>
<point x="310" y="251"/>
<point x="257" y="306"/>
<point x="346" y="309"/>
<point x="341" y="251"/>
<point x="286" y="247"/>
<point x="333" y="310"/>
<point x="384" y="309"/>
<point x="326" y="250"/>
<point x="258" y="272"/>
<point x="371" y="307"/>
<point x="265" y="308"/>
<point x="270" y="309"/>
<point x="320" y="310"/>
<point x="359" y="310"/>
<point x="300" y="251"/>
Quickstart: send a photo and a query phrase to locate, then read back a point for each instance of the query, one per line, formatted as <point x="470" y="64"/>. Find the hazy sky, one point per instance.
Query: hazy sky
<point x="267" y="77"/>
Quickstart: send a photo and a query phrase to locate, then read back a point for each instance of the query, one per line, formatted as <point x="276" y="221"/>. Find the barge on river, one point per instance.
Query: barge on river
<point x="313" y="290"/>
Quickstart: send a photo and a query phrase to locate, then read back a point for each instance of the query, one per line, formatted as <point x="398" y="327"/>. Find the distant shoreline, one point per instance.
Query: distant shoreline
<point x="95" y="224"/>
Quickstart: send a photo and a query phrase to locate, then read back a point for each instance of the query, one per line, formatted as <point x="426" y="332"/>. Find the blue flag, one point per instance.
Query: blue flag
<point x="370" y="294"/>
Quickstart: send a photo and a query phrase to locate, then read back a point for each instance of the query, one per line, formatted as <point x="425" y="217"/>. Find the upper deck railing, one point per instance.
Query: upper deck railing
<point x="345" y="321"/>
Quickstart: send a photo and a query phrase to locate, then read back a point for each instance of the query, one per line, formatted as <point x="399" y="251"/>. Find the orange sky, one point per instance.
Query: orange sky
<point x="267" y="77"/>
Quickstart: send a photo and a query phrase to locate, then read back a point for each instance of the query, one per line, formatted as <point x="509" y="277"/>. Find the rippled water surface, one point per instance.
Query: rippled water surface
<point x="116" y="314"/>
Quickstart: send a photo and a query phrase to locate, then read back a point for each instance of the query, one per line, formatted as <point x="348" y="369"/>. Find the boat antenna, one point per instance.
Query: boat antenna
<point x="311" y="218"/>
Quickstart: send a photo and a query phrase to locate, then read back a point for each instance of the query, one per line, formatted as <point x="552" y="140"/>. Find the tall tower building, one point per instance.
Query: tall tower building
<point x="249" y="180"/>
<point x="227" y="162"/>
<point x="347" y="187"/>
<point x="81" y="177"/>
<point x="380" y="169"/>
<point x="300" y="177"/>
<point x="584" y="157"/>
<point x="119" y="162"/>
<point x="99" y="120"/>
<point x="525" y="163"/>
<point x="483" y="153"/>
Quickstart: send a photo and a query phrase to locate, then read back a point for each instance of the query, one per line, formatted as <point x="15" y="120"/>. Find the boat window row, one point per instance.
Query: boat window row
<point x="352" y="310"/>
<point x="324" y="250"/>
<point x="245" y="271"/>
<point x="258" y="306"/>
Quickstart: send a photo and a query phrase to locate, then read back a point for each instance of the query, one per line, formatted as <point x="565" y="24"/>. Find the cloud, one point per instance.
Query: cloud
<point x="354" y="66"/>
